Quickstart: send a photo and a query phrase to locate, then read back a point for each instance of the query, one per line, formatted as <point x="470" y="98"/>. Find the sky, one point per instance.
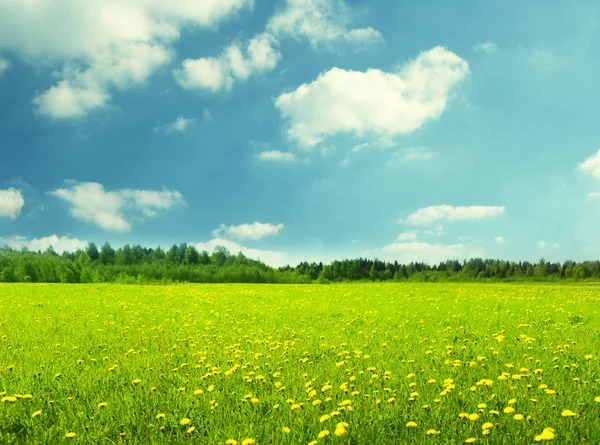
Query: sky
<point x="296" y="130"/>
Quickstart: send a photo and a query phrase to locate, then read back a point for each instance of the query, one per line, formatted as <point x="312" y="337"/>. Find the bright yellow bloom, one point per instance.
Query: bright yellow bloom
<point x="184" y="421"/>
<point x="36" y="413"/>
<point x="160" y="416"/>
<point x="568" y="413"/>
<point x="340" y="432"/>
<point x="433" y="432"/>
<point x="411" y="424"/>
<point x="285" y="429"/>
<point x="102" y="404"/>
<point x="547" y="434"/>
<point x="323" y="434"/>
<point x="597" y="399"/>
<point x="470" y="440"/>
<point x="324" y="418"/>
<point x="9" y="399"/>
<point x="518" y="417"/>
<point x="231" y="442"/>
<point x="191" y="429"/>
<point x="248" y="441"/>
<point x="508" y="410"/>
<point x="487" y="425"/>
<point x="136" y="381"/>
<point x="473" y="417"/>
<point x="70" y="435"/>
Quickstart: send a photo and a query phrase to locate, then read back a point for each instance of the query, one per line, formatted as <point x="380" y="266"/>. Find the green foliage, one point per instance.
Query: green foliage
<point x="183" y="263"/>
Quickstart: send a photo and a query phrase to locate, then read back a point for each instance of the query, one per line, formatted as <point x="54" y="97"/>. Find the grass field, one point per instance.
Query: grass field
<point x="266" y="364"/>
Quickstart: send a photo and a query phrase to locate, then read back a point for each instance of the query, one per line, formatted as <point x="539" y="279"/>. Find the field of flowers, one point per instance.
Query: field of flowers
<point x="267" y="364"/>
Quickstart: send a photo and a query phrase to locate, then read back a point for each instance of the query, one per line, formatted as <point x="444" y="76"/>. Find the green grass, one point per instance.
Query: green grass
<point x="74" y="347"/>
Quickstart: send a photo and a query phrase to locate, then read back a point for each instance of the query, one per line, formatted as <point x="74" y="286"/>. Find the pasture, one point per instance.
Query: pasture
<point x="361" y="364"/>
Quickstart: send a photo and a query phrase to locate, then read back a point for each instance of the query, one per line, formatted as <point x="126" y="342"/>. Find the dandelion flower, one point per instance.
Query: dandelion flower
<point x="136" y="381"/>
<point x="248" y="441"/>
<point x="411" y="424"/>
<point x="160" y="416"/>
<point x="597" y="399"/>
<point x="285" y="429"/>
<point x="9" y="399"/>
<point x="473" y="417"/>
<point x="184" y="421"/>
<point x="470" y="440"/>
<point x="324" y="418"/>
<point x="36" y="413"/>
<point x="568" y="413"/>
<point x="547" y="434"/>
<point x="102" y="404"/>
<point x="323" y="434"/>
<point x="231" y="442"/>
<point x="518" y="417"/>
<point x="433" y="432"/>
<point x="487" y="425"/>
<point x="70" y="435"/>
<point x="508" y="410"/>
<point x="191" y="429"/>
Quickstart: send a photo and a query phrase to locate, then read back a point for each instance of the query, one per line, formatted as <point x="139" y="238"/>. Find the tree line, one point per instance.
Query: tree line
<point x="184" y="263"/>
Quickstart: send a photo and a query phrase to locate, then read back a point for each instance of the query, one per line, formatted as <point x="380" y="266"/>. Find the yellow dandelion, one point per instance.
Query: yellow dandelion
<point x="568" y="413"/>
<point x="285" y="429"/>
<point x="547" y="434"/>
<point x="597" y="399"/>
<point x="470" y="440"/>
<point x="433" y="432"/>
<point x="248" y="441"/>
<point x="9" y="399"/>
<point x="185" y="421"/>
<point x="36" y="413"/>
<point x="518" y="417"/>
<point x="411" y="424"/>
<point x="487" y="425"/>
<point x="102" y="405"/>
<point x="324" y="418"/>
<point x="160" y="416"/>
<point x="473" y="417"/>
<point x="323" y="434"/>
<point x="508" y="410"/>
<point x="190" y="429"/>
<point x="70" y="435"/>
<point x="231" y="442"/>
<point x="340" y="432"/>
<point x="136" y="381"/>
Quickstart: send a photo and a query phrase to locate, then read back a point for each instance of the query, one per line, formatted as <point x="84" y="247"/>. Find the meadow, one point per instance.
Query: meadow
<point x="387" y="363"/>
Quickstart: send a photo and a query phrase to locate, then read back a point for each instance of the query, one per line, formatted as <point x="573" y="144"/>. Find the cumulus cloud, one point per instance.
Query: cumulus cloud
<point x="112" y="210"/>
<point x="500" y="239"/>
<point x="428" y="215"/>
<point x="275" y="155"/>
<point x="180" y="125"/>
<point x="270" y="257"/>
<point x="415" y="251"/>
<point x="409" y="235"/>
<point x="254" y="231"/>
<point x="486" y="47"/>
<point x="372" y="102"/>
<point x="11" y="203"/>
<point x="215" y="74"/>
<point x="59" y="244"/>
<point x="320" y="21"/>
<point x="100" y="46"/>
<point x="594" y="195"/>
<point x="544" y="244"/>
<point x="592" y="165"/>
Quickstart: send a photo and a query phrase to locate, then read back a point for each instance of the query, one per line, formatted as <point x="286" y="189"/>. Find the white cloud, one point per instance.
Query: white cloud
<point x="412" y="154"/>
<point x="428" y="215"/>
<point x="372" y="102"/>
<point x="60" y="244"/>
<point x="4" y="66"/>
<point x="180" y="125"/>
<point x="592" y="165"/>
<point x="594" y="195"/>
<point x="437" y="230"/>
<point x="275" y="155"/>
<point x="272" y="258"/>
<point x="11" y="203"/>
<point x="254" y="231"/>
<point x="382" y="143"/>
<point x="487" y="47"/>
<point x="100" y="45"/>
<point x="110" y="209"/>
<point x="406" y="252"/>
<point x="500" y="239"/>
<point x="320" y="21"/>
<point x="215" y="74"/>
<point x="409" y="235"/>
<point x="544" y="244"/>
<point x="544" y="59"/>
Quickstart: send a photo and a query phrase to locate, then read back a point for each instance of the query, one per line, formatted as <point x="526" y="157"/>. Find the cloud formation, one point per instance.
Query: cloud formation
<point x="11" y="203"/>
<point x="59" y="244"/>
<point x="180" y="125"/>
<point x="415" y="251"/>
<point x="110" y="45"/>
<point x="319" y="21"/>
<point x="215" y="74"/>
<point x="372" y="102"/>
<point x="487" y="47"/>
<point x="428" y="215"/>
<point x="592" y="165"/>
<point x="254" y="231"/>
<point x="270" y="257"/>
<point x="113" y="210"/>
<point x="275" y="155"/>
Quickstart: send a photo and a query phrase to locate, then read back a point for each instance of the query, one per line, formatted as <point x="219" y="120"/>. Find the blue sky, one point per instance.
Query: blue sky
<point x="303" y="129"/>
